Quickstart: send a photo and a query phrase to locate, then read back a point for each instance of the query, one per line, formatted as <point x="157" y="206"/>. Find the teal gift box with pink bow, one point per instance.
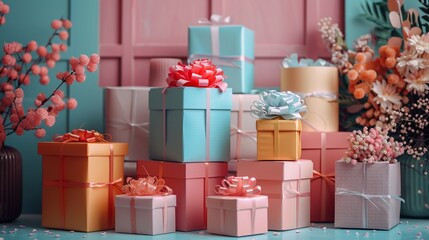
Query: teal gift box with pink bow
<point x="230" y="47"/>
<point x="190" y="120"/>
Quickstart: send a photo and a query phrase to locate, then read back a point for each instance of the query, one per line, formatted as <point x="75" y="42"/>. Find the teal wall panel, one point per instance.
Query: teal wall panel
<point x="30" y="20"/>
<point x="356" y="25"/>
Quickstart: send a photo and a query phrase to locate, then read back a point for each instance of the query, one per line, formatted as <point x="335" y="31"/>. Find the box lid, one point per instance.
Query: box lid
<point x="146" y="202"/>
<point x="333" y="140"/>
<point x="283" y="125"/>
<point x="182" y="170"/>
<point x="81" y="148"/>
<point x="190" y="98"/>
<point x="275" y="170"/>
<point x="237" y="203"/>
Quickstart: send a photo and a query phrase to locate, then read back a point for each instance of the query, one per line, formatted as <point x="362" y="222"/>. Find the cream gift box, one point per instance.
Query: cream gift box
<point x="367" y="195"/>
<point x="150" y="215"/>
<point x="127" y="118"/>
<point x="287" y="185"/>
<point x="237" y="216"/>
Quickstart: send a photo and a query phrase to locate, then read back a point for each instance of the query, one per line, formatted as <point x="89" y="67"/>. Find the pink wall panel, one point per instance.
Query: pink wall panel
<point x="133" y="31"/>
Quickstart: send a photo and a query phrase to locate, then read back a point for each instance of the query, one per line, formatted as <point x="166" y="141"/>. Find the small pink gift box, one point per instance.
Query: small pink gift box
<point x="192" y="183"/>
<point x="324" y="149"/>
<point x="287" y="185"/>
<point x="150" y="215"/>
<point x="367" y="195"/>
<point x="237" y="216"/>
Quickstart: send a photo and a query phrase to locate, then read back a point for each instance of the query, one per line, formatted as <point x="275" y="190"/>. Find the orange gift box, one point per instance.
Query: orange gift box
<point x="191" y="183"/>
<point x="278" y="139"/>
<point x="79" y="183"/>
<point x="324" y="149"/>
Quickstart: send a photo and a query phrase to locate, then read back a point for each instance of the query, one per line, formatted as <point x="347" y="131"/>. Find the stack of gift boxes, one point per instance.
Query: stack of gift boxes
<point x="185" y="136"/>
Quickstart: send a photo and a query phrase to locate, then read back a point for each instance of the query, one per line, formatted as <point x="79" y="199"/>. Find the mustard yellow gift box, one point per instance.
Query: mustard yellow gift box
<point x="79" y="183"/>
<point x="311" y="82"/>
<point x="278" y="139"/>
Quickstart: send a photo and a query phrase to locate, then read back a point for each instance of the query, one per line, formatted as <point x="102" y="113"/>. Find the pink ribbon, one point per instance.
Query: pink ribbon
<point x="81" y="135"/>
<point x="238" y="186"/>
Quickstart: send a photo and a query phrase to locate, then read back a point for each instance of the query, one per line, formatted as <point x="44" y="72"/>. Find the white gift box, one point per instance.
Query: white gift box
<point x="150" y="215"/>
<point x="127" y="118"/>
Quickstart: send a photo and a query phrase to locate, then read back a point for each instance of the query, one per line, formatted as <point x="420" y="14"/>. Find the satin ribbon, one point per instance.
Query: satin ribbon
<point x="81" y="135"/>
<point x="226" y="61"/>
<point x="367" y="197"/>
<point x="149" y="186"/>
<point x="274" y="104"/>
<point x="293" y="61"/>
<point x="63" y="184"/>
<point x="238" y="130"/>
<point x="238" y="186"/>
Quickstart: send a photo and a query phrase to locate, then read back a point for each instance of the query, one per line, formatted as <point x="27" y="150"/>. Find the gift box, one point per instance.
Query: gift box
<point x="127" y="118"/>
<point x="278" y="139"/>
<point x="189" y="124"/>
<point x="192" y="183"/>
<point x="287" y="185"/>
<point x="237" y="216"/>
<point x="318" y="86"/>
<point x="324" y="149"/>
<point x="230" y="47"/>
<point x="150" y="215"/>
<point x="367" y="195"/>
<point x="80" y="181"/>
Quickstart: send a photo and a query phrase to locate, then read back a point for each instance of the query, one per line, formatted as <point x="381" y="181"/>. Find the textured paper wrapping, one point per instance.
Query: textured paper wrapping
<point x="237" y="216"/>
<point x="279" y="180"/>
<point x="85" y="208"/>
<point x="192" y="183"/>
<point x="354" y="211"/>
<point x="189" y="113"/>
<point x="324" y="149"/>
<point x="278" y="139"/>
<point x="233" y="44"/>
<point x="152" y="215"/>
<point x="322" y="114"/>
<point x="127" y="118"/>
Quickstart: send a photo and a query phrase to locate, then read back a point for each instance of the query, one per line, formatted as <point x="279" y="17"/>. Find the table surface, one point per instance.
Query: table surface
<point x="28" y="227"/>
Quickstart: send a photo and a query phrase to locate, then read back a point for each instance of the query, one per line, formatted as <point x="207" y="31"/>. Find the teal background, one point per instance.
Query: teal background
<point x="31" y="20"/>
<point x="186" y="124"/>
<point x="356" y="25"/>
<point x="233" y="41"/>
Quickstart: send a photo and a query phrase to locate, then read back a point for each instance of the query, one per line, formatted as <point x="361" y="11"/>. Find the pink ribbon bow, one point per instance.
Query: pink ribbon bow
<point x="238" y="186"/>
<point x="81" y="135"/>
<point x="200" y="73"/>
<point x="146" y="187"/>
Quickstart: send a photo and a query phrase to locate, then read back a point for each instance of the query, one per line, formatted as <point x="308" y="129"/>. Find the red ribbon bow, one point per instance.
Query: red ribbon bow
<point x="81" y="135"/>
<point x="146" y="187"/>
<point x="238" y="186"/>
<point x="200" y="73"/>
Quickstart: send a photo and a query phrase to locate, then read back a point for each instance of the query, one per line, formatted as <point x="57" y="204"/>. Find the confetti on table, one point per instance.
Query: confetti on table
<point x="57" y="236"/>
<point x="276" y="234"/>
<point x="297" y="231"/>
<point x="34" y="230"/>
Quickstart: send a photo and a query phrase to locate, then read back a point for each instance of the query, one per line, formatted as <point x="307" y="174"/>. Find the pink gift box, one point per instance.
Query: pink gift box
<point x="237" y="216"/>
<point x="150" y="215"/>
<point x="367" y="195"/>
<point x="287" y="185"/>
<point x="191" y="183"/>
<point x="324" y="149"/>
<point x="127" y="118"/>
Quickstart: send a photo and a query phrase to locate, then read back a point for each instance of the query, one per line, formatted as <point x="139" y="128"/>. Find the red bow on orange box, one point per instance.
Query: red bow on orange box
<point x="81" y="135"/>
<point x="238" y="186"/>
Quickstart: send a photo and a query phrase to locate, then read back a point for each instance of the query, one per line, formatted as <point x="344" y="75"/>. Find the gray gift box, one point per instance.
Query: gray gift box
<point x="367" y="195"/>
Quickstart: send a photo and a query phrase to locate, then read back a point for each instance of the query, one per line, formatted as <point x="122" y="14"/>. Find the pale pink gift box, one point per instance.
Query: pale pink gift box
<point x="367" y="195"/>
<point x="287" y="185"/>
<point x="149" y="215"/>
<point x="237" y="216"/>
<point x="127" y="118"/>
<point x="192" y="183"/>
<point x="324" y="149"/>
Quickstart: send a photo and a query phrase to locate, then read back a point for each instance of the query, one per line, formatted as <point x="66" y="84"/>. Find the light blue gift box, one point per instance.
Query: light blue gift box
<point x="185" y="124"/>
<point x="235" y="43"/>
